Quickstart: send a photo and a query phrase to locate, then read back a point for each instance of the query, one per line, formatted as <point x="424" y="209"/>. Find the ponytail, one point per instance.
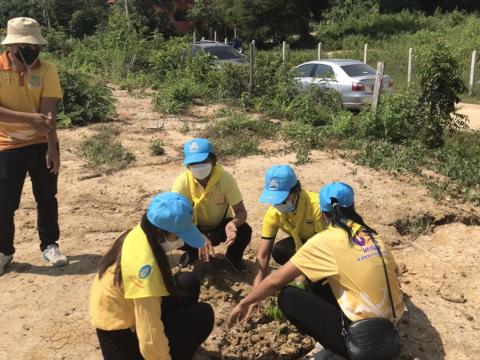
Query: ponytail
<point x="341" y="215"/>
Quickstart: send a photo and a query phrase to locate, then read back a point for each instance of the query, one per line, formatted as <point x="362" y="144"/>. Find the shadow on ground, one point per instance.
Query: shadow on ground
<point x="83" y="264"/>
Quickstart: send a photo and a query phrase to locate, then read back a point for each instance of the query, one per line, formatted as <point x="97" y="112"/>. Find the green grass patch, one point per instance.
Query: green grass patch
<point x="102" y="149"/>
<point x="239" y="134"/>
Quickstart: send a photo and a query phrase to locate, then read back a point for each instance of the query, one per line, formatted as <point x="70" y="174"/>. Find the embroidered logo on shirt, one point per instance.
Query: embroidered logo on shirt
<point x="274" y="184"/>
<point x="34" y="81"/>
<point x="145" y="271"/>
<point x="194" y="147"/>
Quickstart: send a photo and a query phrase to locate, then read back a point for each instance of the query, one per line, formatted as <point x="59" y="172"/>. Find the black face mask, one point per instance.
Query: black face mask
<point x="27" y="54"/>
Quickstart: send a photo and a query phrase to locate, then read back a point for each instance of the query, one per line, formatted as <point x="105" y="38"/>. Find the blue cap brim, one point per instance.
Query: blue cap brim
<point x="192" y="237"/>
<point x="195" y="158"/>
<point x="273" y="197"/>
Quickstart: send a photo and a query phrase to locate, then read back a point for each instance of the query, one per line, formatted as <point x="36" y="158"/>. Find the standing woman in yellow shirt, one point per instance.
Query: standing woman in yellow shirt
<point x="29" y="92"/>
<point x="218" y="208"/>
<point x="347" y="272"/>
<point x="134" y="289"/>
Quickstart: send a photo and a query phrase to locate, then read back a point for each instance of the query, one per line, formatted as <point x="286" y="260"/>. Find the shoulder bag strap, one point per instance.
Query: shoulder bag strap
<point x="386" y="278"/>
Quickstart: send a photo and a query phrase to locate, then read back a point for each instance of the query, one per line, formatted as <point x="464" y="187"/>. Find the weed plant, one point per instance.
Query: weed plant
<point x="102" y="149"/>
<point x="239" y="134"/>
<point x="156" y="147"/>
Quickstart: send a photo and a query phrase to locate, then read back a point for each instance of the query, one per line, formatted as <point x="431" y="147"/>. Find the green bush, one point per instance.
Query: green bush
<point x="116" y="51"/>
<point x="239" y="134"/>
<point x="84" y="99"/>
<point x="395" y="119"/>
<point x="176" y="94"/>
<point x="168" y="57"/>
<point x="232" y="81"/>
<point x="459" y="159"/>
<point x="302" y="138"/>
<point x="394" y="157"/>
<point x="156" y="147"/>
<point x="102" y="148"/>
<point x="313" y="106"/>
<point x="440" y="87"/>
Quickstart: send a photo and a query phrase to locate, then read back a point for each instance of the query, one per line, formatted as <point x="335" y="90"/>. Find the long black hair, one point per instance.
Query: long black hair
<point x="155" y="237"/>
<point x="340" y="216"/>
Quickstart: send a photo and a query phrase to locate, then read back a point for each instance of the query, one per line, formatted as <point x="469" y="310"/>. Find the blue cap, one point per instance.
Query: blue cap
<point x="342" y="192"/>
<point x="279" y="180"/>
<point x="173" y="212"/>
<point x="196" y="150"/>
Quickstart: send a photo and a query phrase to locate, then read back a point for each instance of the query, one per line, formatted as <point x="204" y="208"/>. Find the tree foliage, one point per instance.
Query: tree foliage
<point x="428" y="6"/>
<point x="76" y="17"/>
<point x="258" y="19"/>
<point x="440" y="87"/>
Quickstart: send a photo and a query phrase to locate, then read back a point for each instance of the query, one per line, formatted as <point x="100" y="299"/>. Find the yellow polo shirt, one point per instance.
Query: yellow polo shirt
<point x="137" y="302"/>
<point x="22" y="92"/>
<point x="312" y="222"/>
<point x="355" y="273"/>
<point x="217" y="205"/>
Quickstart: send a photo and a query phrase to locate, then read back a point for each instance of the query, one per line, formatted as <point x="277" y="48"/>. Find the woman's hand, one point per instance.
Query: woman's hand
<point x="231" y="232"/>
<point x="207" y="251"/>
<point x="53" y="159"/>
<point x="239" y="313"/>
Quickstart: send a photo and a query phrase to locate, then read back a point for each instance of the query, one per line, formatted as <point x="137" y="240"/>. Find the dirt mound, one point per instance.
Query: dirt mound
<point x="44" y="310"/>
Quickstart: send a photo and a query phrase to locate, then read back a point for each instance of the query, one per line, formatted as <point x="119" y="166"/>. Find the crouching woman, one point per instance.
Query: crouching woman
<point x="352" y="275"/>
<point x="139" y="309"/>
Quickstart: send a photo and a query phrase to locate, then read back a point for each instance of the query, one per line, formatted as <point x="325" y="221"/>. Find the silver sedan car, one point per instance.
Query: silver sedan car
<point x="352" y="79"/>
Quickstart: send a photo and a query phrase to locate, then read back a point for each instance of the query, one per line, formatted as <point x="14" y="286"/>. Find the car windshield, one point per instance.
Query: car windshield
<point x="355" y="70"/>
<point x="223" y="52"/>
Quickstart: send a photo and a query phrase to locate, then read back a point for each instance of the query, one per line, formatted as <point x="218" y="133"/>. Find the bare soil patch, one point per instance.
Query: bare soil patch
<point x="44" y="310"/>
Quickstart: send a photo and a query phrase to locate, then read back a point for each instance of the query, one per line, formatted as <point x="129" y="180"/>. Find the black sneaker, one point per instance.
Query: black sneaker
<point x="187" y="259"/>
<point x="237" y="265"/>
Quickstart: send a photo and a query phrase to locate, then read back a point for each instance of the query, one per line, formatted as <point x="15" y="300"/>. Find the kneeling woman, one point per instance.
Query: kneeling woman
<point x="135" y="289"/>
<point x="347" y="275"/>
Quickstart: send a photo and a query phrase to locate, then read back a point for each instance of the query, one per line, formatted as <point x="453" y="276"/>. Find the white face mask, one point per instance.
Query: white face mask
<point x="201" y="171"/>
<point x="285" y="208"/>
<point x="288" y="207"/>
<point x="172" y="245"/>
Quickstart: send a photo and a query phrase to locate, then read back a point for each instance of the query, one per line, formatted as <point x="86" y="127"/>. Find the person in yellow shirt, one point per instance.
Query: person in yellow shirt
<point x="293" y="210"/>
<point x="218" y="207"/>
<point x="347" y="272"/>
<point x="29" y="92"/>
<point x="140" y="311"/>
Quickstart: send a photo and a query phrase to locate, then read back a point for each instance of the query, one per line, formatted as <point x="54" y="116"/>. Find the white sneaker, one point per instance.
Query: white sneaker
<point x="53" y="255"/>
<point x="4" y="261"/>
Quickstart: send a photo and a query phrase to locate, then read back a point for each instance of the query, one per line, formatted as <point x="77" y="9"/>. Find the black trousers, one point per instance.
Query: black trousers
<point x="187" y="325"/>
<point x="14" y="166"/>
<point x="283" y="250"/>
<point x="218" y="236"/>
<point x="316" y="314"/>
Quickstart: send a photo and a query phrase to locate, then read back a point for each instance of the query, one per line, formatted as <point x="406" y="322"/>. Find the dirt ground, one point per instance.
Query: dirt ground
<point x="473" y="113"/>
<point x="44" y="310"/>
